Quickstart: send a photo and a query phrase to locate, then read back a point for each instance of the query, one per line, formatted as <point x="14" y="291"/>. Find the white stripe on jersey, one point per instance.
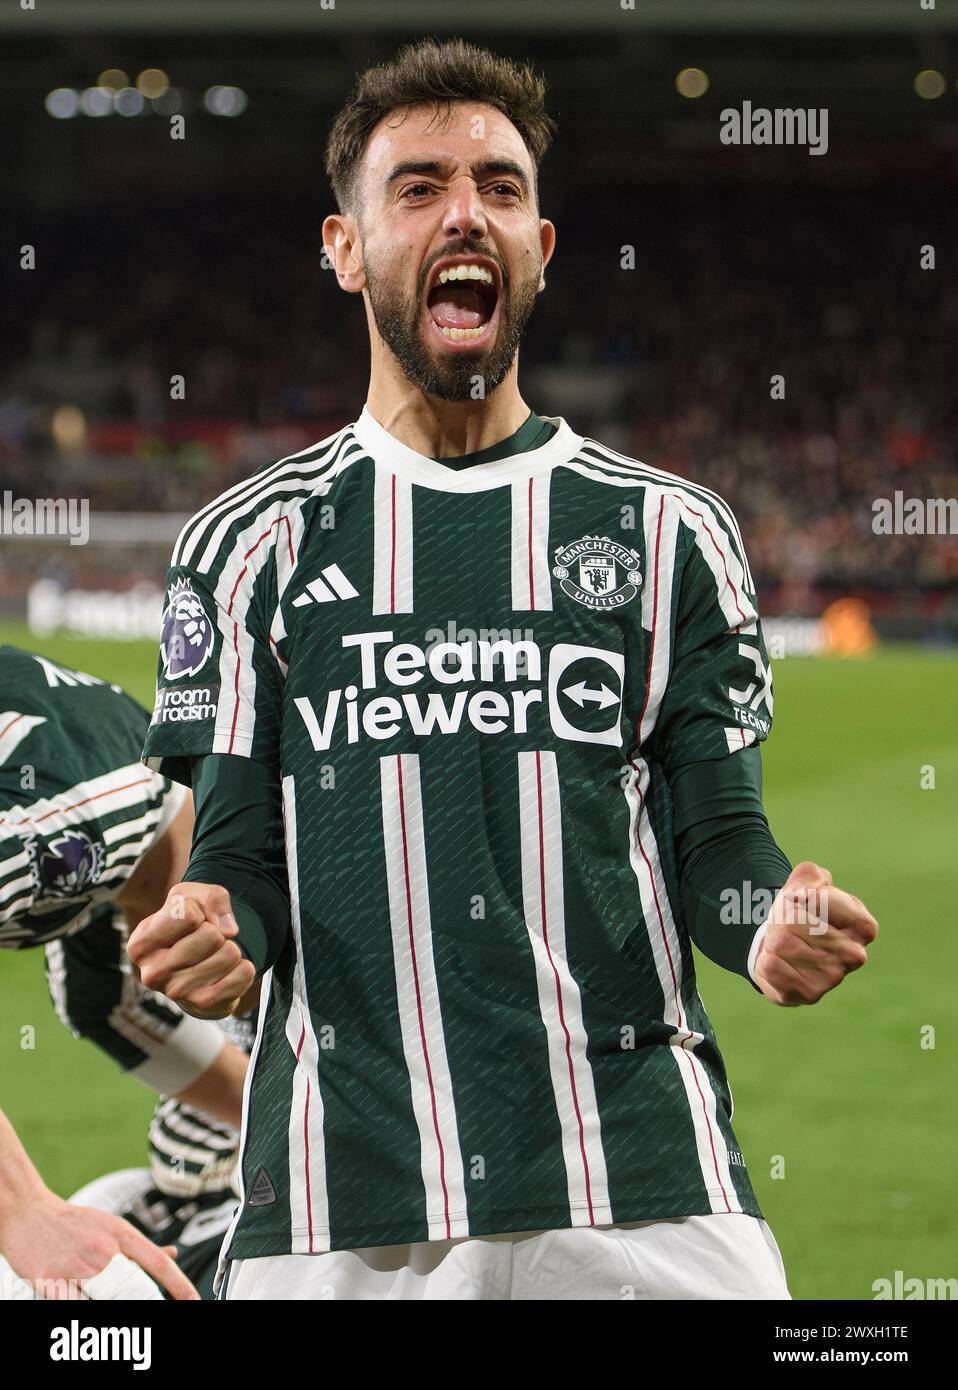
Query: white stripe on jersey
<point x="417" y="991"/>
<point x="236" y="707"/>
<point x="667" y="953"/>
<point x="146" y="1030"/>
<point x="57" y="980"/>
<point x="661" y="535"/>
<point x="251" y="491"/>
<point x="265" y="993"/>
<point x="392" y="543"/>
<point x="179" y="1120"/>
<point x="531" y="582"/>
<point x="14" y="728"/>
<point x="308" y="1195"/>
<point x="560" y="1003"/>
<point x="661" y="478"/>
<point x="287" y="555"/>
<point x="269" y="501"/>
<point x="85" y="801"/>
<point x="176" y="1146"/>
<point x="738" y="739"/>
<point x="131" y="827"/>
<point x="17" y="887"/>
<point x="126" y="855"/>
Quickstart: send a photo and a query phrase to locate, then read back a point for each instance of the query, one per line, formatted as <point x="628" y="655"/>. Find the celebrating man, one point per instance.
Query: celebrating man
<point x="470" y="706"/>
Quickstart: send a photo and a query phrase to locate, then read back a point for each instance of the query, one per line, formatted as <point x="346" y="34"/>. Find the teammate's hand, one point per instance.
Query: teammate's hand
<point x="187" y="952"/>
<point x="816" y="934"/>
<point x="49" y="1240"/>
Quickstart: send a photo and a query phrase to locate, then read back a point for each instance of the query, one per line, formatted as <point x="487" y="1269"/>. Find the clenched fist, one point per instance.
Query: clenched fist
<point x="816" y="934"/>
<point x="187" y="952"/>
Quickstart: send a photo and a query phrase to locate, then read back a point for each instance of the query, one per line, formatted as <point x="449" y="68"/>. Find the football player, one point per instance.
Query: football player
<point x="469" y="871"/>
<point x="90" y="841"/>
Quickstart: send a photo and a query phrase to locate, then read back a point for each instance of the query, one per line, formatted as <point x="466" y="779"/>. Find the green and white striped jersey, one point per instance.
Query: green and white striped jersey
<point x="78" y="810"/>
<point x="77" y="807"/>
<point x="471" y="685"/>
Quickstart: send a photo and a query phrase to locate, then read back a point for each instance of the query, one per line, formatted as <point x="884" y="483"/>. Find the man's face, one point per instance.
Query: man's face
<point x="432" y="193"/>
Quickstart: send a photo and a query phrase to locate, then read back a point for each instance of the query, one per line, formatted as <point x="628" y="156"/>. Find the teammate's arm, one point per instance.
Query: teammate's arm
<point x="49" y="1241"/>
<point x="97" y="996"/>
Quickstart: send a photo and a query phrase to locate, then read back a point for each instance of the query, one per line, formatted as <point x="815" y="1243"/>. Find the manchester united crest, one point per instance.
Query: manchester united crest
<point x="598" y="572"/>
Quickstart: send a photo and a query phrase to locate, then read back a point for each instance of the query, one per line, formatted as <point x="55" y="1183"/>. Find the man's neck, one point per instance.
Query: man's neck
<point x="446" y="429"/>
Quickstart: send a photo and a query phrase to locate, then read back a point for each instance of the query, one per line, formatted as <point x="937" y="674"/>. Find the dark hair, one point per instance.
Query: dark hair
<point x="438" y="72"/>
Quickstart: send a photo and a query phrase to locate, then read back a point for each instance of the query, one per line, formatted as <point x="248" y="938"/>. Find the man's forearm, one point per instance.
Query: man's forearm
<point x="219" y="1091"/>
<point x="19" y="1180"/>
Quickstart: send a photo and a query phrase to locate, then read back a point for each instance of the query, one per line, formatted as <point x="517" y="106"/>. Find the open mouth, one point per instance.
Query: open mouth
<point x="463" y="302"/>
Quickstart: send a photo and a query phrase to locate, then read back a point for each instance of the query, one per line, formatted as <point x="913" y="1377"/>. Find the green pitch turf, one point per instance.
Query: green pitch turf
<point x="841" y="1100"/>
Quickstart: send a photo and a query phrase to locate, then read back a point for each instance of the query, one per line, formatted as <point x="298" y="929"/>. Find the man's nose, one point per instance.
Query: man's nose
<point x="464" y="213"/>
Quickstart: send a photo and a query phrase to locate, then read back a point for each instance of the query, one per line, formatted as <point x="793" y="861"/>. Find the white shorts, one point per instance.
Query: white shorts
<point x="724" y="1256"/>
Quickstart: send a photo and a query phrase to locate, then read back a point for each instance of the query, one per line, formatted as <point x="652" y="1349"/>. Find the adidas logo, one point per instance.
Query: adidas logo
<point x="331" y="585"/>
<point x="262" y="1193"/>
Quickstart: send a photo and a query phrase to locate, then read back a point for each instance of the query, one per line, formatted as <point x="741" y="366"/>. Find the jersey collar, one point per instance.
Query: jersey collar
<point x="390" y="452"/>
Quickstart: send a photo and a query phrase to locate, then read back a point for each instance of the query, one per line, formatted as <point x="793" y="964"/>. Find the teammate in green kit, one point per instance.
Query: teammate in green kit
<point x="471" y="708"/>
<point x="90" y="840"/>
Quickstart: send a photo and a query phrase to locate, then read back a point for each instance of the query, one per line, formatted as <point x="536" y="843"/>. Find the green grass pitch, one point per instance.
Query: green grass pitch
<point x="842" y="1100"/>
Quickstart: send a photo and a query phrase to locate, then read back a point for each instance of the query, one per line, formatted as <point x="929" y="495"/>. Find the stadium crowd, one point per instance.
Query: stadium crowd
<point x="671" y="361"/>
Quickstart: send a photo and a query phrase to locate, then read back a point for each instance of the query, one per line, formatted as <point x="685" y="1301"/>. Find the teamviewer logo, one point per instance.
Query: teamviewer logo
<point x="585" y="693"/>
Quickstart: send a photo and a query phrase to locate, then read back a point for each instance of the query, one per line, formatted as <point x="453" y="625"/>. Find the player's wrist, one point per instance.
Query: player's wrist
<point x="20" y="1204"/>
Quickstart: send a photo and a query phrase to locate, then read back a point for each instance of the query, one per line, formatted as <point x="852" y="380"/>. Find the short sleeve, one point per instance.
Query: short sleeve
<point x="718" y="698"/>
<point x="218" y="681"/>
<point x="67" y="855"/>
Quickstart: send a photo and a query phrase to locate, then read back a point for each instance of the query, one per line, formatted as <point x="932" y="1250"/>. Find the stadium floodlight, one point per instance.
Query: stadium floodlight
<point x="129" y="102"/>
<point x="62" y="103"/>
<point x="225" y="101"/>
<point x="692" y="82"/>
<point x="96" y="101"/>
<point x="929" y="84"/>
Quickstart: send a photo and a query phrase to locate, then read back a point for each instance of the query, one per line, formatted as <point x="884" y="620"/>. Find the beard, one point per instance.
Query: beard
<point x="452" y="377"/>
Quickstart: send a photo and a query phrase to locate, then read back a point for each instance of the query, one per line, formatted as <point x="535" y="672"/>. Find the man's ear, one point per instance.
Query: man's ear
<point x="341" y="244"/>
<point x="547" y="238"/>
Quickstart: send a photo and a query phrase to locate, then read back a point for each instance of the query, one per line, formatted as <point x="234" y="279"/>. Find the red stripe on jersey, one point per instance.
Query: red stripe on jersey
<point x="532" y="591"/>
<point x="568" y="1039"/>
<point x="236" y="699"/>
<point x="309" y="1200"/>
<point x="62" y="810"/>
<point x="422" y="1026"/>
<point x="229" y="609"/>
<point x="392" y="562"/>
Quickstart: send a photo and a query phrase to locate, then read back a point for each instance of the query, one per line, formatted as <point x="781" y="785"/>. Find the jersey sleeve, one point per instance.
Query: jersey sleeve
<point x="62" y="857"/>
<point x="97" y="996"/>
<point x="718" y="698"/>
<point x="219" y="688"/>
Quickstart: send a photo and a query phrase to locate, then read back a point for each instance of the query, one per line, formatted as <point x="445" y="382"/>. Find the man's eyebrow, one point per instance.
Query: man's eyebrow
<point x="502" y="166"/>
<point x="414" y="166"/>
<point x="433" y="166"/>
